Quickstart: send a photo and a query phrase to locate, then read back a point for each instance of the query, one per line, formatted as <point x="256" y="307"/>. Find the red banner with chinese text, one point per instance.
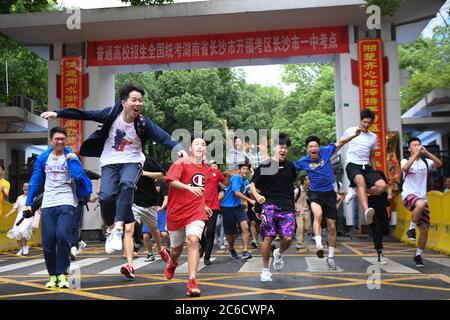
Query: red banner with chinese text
<point x="232" y="46"/>
<point x="371" y="92"/>
<point x="72" y="97"/>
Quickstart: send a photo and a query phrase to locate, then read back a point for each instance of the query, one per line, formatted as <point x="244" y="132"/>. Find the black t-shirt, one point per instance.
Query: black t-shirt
<point x="145" y="194"/>
<point x="381" y="201"/>
<point x="164" y="191"/>
<point x="278" y="187"/>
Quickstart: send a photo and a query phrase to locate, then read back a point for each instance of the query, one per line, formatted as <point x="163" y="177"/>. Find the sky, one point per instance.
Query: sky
<point x="264" y="75"/>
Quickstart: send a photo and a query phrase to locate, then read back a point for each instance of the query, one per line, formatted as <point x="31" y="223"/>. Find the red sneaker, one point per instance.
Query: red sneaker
<point x="192" y="288"/>
<point x="164" y="255"/>
<point x="169" y="270"/>
<point x="127" y="271"/>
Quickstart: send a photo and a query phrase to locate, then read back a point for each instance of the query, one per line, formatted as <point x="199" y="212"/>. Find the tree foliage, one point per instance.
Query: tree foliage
<point x="21" y="6"/>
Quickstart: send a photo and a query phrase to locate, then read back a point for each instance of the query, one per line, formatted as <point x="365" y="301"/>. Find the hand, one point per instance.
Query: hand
<point x="159" y="209"/>
<point x="358" y="131"/>
<point x="198" y="191"/>
<point x="208" y="211"/>
<point x="70" y="156"/>
<point x="49" y="115"/>
<point x="253" y="202"/>
<point x="423" y="150"/>
<point x="183" y="154"/>
<point x="260" y="199"/>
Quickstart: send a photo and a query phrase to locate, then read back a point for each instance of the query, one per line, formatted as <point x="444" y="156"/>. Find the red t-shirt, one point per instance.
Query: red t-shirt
<point x="212" y="189"/>
<point x="183" y="206"/>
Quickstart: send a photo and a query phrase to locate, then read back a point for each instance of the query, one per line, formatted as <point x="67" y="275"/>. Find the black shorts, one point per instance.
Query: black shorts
<point x="370" y="175"/>
<point x="251" y="212"/>
<point x="327" y="200"/>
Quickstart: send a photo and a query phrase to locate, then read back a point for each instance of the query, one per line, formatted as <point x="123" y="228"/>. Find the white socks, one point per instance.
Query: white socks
<point x="318" y="241"/>
<point x="412" y="225"/>
<point x="330" y="252"/>
<point x="419" y="252"/>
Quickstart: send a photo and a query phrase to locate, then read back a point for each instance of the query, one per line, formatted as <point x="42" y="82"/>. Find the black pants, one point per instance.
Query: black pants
<point x="207" y="241"/>
<point x="380" y="227"/>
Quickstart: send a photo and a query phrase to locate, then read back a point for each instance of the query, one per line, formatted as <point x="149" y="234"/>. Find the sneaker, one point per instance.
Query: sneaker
<point x="369" y="213"/>
<point x="73" y="253"/>
<point x="169" y="270"/>
<point x="81" y="246"/>
<point x="331" y="264"/>
<point x="114" y="241"/>
<point x="222" y="247"/>
<point x="299" y="246"/>
<point x="234" y="254"/>
<point x="25" y="250"/>
<point x="319" y="252"/>
<point x="350" y="195"/>
<point x="62" y="282"/>
<point x="278" y="262"/>
<point x="266" y="275"/>
<point x="207" y="262"/>
<point x="150" y="257"/>
<point x="192" y="288"/>
<point x="411" y="233"/>
<point x="418" y="261"/>
<point x="246" y="255"/>
<point x="273" y="247"/>
<point x="164" y="255"/>
<point x="254" y="244"/>
<point x="52" y="282"/>
<point x="127" y="271"/>
<point x="20" y="252"/>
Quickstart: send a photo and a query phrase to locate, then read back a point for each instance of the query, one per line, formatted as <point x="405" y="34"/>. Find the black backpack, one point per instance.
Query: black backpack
<point x="403" y="175"/>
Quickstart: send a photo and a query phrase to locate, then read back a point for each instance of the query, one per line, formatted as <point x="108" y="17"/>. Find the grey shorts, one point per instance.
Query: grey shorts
<point x="147" y="216"/>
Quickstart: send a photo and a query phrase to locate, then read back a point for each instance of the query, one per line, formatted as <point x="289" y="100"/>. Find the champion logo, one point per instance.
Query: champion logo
<point x="198" y="180"/>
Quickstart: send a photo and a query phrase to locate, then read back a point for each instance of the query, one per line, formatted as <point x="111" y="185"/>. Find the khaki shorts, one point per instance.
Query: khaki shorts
<point x="178" y="237"/>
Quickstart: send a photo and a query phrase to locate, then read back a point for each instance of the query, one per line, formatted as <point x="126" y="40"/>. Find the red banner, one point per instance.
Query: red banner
<point x="72" y="97"/>
<point x="371" y="92"/>
<point x="233" y="46"/>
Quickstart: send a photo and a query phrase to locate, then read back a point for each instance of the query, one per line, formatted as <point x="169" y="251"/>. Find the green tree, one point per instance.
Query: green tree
<point x="21" y="6"/>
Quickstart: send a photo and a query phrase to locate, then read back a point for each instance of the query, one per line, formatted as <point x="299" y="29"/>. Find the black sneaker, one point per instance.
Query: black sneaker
<point x="234" y="254"/>
<point x="418" y="261"/>
<point x="206" y="262"/>
<point x="411" y="233"/>
<point x="319" y="253"/>
<point x="246" y="255"/>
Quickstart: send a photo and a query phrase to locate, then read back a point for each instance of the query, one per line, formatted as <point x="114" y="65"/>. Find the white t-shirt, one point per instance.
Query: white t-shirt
<point x="359" y="148"/>
<point x="123" y="145"/>
<point x="59" y="187"/>
<point x="415" y="182"/>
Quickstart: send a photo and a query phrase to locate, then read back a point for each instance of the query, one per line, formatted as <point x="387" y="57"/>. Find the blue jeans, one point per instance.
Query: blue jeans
<point x="76" y="225"/>
<point x="56" y="231"/>
<point x="116" y="195"/>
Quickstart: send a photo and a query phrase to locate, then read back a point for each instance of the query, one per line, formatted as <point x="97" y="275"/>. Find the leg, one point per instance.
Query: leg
<point x="423" y="237"/>
<point x="157" y="237"/>
<point x="266" y="250"/>
<point x="49" y="222"/>
<point x="317" y="229"/>
<point x="108" y="193"/>
<point x="129" y="175"/>
<point x="245" y="234"/>
<point x="147" y="243"/>
<point x="331" y="225"/>
<point x="63" y="230"/>
<point x="128" y="243"/>
<point x="300" y="234"/>
<point x="419" y="208"/>
<point x="210" y="231"/>
<point x="377" y="230"/>
<point x="193" y="255"/>
<point x="361" y="191"/>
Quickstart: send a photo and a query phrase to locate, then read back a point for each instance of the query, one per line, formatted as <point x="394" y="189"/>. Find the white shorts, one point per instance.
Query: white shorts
<point x="178" y="237"/>
<point x="148" y="216"/>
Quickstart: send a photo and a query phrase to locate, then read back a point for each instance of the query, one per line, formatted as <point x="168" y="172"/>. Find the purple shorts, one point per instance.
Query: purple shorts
<point x="276" y="221"/>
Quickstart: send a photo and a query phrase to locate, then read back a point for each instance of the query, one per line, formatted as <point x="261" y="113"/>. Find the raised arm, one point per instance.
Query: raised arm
<point x="347" y="139"/>
<point x="437" y="163"/>
<point x="78" y="114"/>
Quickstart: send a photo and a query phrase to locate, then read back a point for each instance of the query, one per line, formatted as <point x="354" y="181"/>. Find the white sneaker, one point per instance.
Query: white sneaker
<point x="266" y="275"/>
<point x="350" y="195"/>
<point x="369" y="213"/>
<point x="81" y="245"/>
<point x="222" y="246"/>
<point x="25" y="250"/>
<point x="278" y="262"/>
<point x="299" y="246"/>
<point x="114" y="241"/>
<point x="73" y="253"/>
<point x="20" y="252"/>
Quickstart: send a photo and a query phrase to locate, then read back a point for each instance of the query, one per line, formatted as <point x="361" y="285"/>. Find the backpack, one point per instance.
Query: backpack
<point x="403" y="175"/>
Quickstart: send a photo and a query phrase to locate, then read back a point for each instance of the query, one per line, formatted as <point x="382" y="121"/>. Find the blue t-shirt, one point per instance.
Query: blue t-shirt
<point x="320" y="172"/>
<point x="237" y="183"/>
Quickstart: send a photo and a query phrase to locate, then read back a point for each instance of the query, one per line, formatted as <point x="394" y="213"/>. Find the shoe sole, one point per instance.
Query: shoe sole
<point x="126" y="273"/>
<point x="412" y="239"/>
<point x="64" y="287"/>
<point x="369" y="216"/>
<point x="319" y="253"/>
<point x="194" y="293"/>
<point x="266" y="280"/>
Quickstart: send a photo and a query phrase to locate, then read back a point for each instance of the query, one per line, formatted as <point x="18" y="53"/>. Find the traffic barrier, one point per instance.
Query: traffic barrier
<point x="7" y="244"/>
<point x="439" y="231"/>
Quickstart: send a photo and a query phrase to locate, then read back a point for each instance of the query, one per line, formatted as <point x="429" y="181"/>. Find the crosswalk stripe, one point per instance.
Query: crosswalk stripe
<point x="184" y="267"/>
<point x="19" y="265"/>
<point x="442" y="261"/>
<point x="137" y="263"/>
<point x="254" y="264"/>
<point x="316" y="264"/>
<point x="391" y="266"/>
<point x="78" y="264"/>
